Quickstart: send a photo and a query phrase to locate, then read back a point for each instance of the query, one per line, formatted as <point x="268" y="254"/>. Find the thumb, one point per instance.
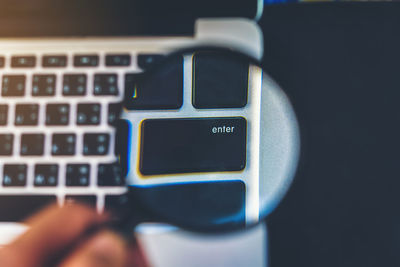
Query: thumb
<point x="105" y="249"/>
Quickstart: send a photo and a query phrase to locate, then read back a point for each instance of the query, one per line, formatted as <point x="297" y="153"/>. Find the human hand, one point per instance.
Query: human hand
<point x="58" y="237"/>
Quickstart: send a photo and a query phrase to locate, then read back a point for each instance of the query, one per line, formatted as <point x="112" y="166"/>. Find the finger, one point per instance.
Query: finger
<point x="52" y="230"/>
<point x="105" y="249"/>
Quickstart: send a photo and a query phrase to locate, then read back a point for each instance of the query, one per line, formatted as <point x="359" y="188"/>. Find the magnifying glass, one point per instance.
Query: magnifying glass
<point x="211" y="143"/>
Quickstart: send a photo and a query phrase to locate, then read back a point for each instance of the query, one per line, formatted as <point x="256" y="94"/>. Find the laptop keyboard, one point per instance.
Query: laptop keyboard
<point x="57" y="135"/>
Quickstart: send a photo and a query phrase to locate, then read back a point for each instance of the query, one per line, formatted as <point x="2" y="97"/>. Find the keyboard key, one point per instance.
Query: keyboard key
<point x="78" y="174"/>
<point x="14" y="175"/>
<point x="89" y="200"/>
<point x="2" y="62"/>
<point x="116" y="203"/>
<point x="88" y="114"/>
<point x="86" y="60"/>
<point x="3" y="114"/>
<point x="219" y="81"/>
<point x="114" y="110"/>
<point x="110" y="175"/>
<point x="23" y="61"/>
<point x="46" y="175"/>
<point x="74" y="84"/>
<point x="155" y="90"/>
<point x="6" y="144"/>
<point x="13" y="85"/>
<point x="44" y="85"/>
<point x="105" y="84"/>
<point x="57" y="114"/>
<point x="26" y="114"/>
<point x="121" y="149"/>
<point x="118" y="60"/>
<point x="145" y="61"/>
<point x="63" y="144"/>
<point x="53" y="61"/>
<point x="32" y="144"/>
<point x="14" y="208"/>
<point x="192" y="145"/>
<point x="95" y="144"/>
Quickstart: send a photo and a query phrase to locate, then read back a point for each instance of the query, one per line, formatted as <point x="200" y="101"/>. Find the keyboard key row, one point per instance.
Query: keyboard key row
<point x="59" y="114"/>
<point x="47" y="175"/>
<point x="73" y="85"/>
<point x="62" y="144"/>
<point x="82" y="60"/>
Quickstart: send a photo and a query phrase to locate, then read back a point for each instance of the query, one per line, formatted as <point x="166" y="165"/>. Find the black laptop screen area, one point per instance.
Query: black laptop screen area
<point x="25" y="18"/>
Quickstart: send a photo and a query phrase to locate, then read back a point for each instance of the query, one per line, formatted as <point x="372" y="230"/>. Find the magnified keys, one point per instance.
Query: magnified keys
<point x="212" y="144"/>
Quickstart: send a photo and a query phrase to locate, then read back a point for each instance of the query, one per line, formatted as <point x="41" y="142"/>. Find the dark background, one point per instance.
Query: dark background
<point x="340" y="65"/>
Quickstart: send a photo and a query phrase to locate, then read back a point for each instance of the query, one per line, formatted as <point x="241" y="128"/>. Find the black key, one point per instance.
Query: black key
<point x="96" y="144"/>
<point x="13" y="85"/>
<point x="105" y="84"/>
<point x="74" y="84"/>
<point x="2" y="62"/>
<point x="116" y="203"/>
<point x="32" y="144"/>
<point x="114" y="110"/>
<point x="86" y="60"/>
<point x="6" y="144"/>
<point x="121" y="149"/>
<point x="53" y="61"/>
<point x="118" y="60"/>
<point x="219" y="81"/>
<point x="88" y="114"/>
<point x="63" y="144"/>
<point x="23" y="61"/>
<point x="44" y="85"/>
<point x="145" y="61"/>
<point x="14" y="174"/>
<point x="26" y="114"/>
<point x="78" y="174"/>
<point x="3" y="114"/>
<point x="46" y="175"/>
<point x="89" y="200"/>
<point x="162" y="89"/>
<point x="110" y="175"/>
<point x="192" y="145"/>
<point x="57" y="114"/>
<point x="14" y="208"/>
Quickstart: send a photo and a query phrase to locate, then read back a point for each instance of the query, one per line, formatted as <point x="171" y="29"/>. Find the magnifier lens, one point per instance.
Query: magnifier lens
<point x="213" y="142"/>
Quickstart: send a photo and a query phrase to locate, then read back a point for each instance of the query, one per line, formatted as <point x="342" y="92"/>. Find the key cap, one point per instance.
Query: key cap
<point x="14" y="174"/>
<point x="192" y="145"/>
<point x="88" y="114"/>
<point x="13" y="85"/>
<point x="32" y="144"/>
<point x="26" y="114"/>
<point x="109" y="175"/>
<point x="145" y="61"/>
<point x="74" y="84"/>
<point x="118" y="60"/>
<point x="89" y="200"/>
<point x="86" y="60"/>
<point x="46" y="175"/>
<point x="219" y="81"/>
<point x="95" y="144"/>
<point x="114" y="110"/>
<point x="23" y="61"/>
<point x="54" y="61"/>
<point x="3" y="114"/>
<point x="78" y="174"/>
<point x="162" y="89"/>
<point x="115" y="202"/>
<point x="2" y="62"/>
<point x="63" y="144"/>
<point x="57" y="114"/>
<point x="6" y="144"/>
<point x="15" y="208"/>
<point x="44" y="85"/>
<point x="105" y="84"/>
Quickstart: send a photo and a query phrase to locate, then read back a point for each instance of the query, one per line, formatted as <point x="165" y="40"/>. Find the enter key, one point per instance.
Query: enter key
<point x="192" y="145"/>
